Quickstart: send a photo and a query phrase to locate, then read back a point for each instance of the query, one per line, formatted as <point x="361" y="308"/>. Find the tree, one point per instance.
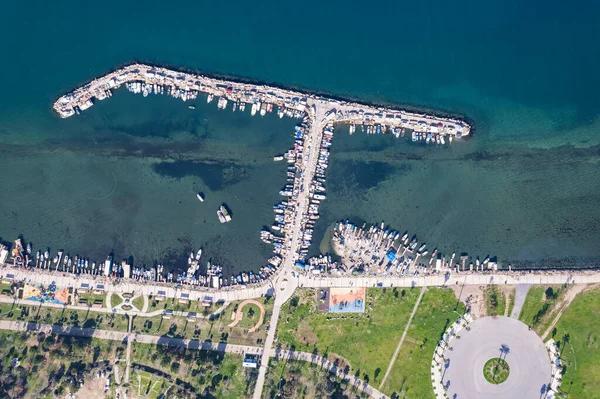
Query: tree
<point x="294" y="301"/>
<point x="175" y="367"/>
<point x="504" y="350"/>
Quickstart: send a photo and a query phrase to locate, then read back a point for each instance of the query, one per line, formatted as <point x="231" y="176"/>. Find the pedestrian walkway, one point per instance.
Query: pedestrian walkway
<point x="389" y="369"/>
<point x="146" y="303"/>
<point x="331" y="367"/>
<point x="520" y="295"/>
<point x="239" y="315"/>
<point x="128" y="367"/>
<point x="116" y="310"/>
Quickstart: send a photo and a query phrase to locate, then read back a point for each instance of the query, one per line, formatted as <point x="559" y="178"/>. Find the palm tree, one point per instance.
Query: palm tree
<point x="504" y="350"/>
<point x="565" y="339"/>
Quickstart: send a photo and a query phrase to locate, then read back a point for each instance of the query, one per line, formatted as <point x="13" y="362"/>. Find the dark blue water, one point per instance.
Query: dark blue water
<point x="525" y="187"/>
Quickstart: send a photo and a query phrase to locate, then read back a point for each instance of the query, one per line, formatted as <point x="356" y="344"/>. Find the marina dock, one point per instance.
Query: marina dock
<point x="291" y="234"/>
<point x="295" y="216"/>
<point x="186" y="86"/>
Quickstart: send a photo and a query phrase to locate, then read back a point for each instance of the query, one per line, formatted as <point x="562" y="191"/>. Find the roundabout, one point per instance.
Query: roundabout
<point x="497" y="358"/>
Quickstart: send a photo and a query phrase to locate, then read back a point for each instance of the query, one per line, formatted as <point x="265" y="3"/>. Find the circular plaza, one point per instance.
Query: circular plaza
<point x="474" y="367"/>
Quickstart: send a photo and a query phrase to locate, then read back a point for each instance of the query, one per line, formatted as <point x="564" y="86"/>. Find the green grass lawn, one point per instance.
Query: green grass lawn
<point x="251" y="316"/>
<point x="175" y="305"/>
<point x="365" y="340"/>
<point x="138" y="302"/>
<point x="298" y="379"/>
<point x="410" y="376"/>
<point x="5" y="289"/>
<point x="91" y="298"/>
<point x="115" y="300"/>
<point x="496" y="370"/>
<point x="151" y="386"/>
<point x="578" y="333"/>
<point x="511" y="302"/>
<point x="495" y="301"/>
<point x="62" y="316"/>
<point x="537" y="310"/>
<point x="215" y="330"/>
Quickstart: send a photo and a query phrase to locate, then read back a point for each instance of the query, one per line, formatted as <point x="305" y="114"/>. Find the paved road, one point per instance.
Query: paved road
<point x="528" y="360"/>
<point x="454" y="279"/>
<point x="412" y="314"/>
<point x="308" y="280"/>
<point x="286" y="284"/>
<point x="520" y="295"/>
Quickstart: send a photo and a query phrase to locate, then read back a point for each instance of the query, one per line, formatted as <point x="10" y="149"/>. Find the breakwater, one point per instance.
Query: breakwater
<point x="185" y="85"/>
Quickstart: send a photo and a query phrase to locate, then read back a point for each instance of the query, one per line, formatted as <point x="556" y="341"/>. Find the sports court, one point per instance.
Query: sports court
<point x="347" y="300"/>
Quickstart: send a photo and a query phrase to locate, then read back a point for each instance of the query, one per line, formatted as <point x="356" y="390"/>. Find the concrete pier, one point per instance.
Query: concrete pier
<point x="335" y="111"/>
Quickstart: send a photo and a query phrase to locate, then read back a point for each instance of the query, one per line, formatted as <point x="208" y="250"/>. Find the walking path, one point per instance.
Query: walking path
<point x="520" y="295"/>
<point x="186" y="343"/>
<point x="240" y="314"/>
<point x="331" y="367"/>
<point x="158" y="312"/>
<point x="146" y="303"/>
<point x="128" y="367"/>
<point x="563" y="305"/>
<point x="122" y="336"/>
<point x="403" y="336"/>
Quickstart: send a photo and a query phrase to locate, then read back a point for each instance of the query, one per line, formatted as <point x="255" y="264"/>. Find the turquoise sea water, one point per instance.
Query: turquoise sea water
<point x="122" y="176"/>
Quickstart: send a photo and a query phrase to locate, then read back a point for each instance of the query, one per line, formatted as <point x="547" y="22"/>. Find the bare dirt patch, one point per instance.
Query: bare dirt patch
<point x="473" y="297"/>
<point x="92" y="388"/>
<point x="306" y="332"/>
<point x="341" y="362"/>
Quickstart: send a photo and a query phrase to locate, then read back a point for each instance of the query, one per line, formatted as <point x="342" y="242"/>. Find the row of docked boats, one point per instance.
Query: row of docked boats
<point x="146" y="89"/>
<point x="25" y="258"/>
<point x="377" y="249"/>
<point x="285" y="211"/>
<point x="432" y="138"/>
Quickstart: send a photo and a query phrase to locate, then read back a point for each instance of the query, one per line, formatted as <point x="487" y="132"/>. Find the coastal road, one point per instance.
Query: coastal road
<point x="64" y="280"/>
<point x="454" y="279"/>
<point x="40" y="277"/>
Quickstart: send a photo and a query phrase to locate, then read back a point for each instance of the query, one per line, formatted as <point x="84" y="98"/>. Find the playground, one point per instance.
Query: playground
<point x="347" y="300"/>
<point x="46" y="294"/>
